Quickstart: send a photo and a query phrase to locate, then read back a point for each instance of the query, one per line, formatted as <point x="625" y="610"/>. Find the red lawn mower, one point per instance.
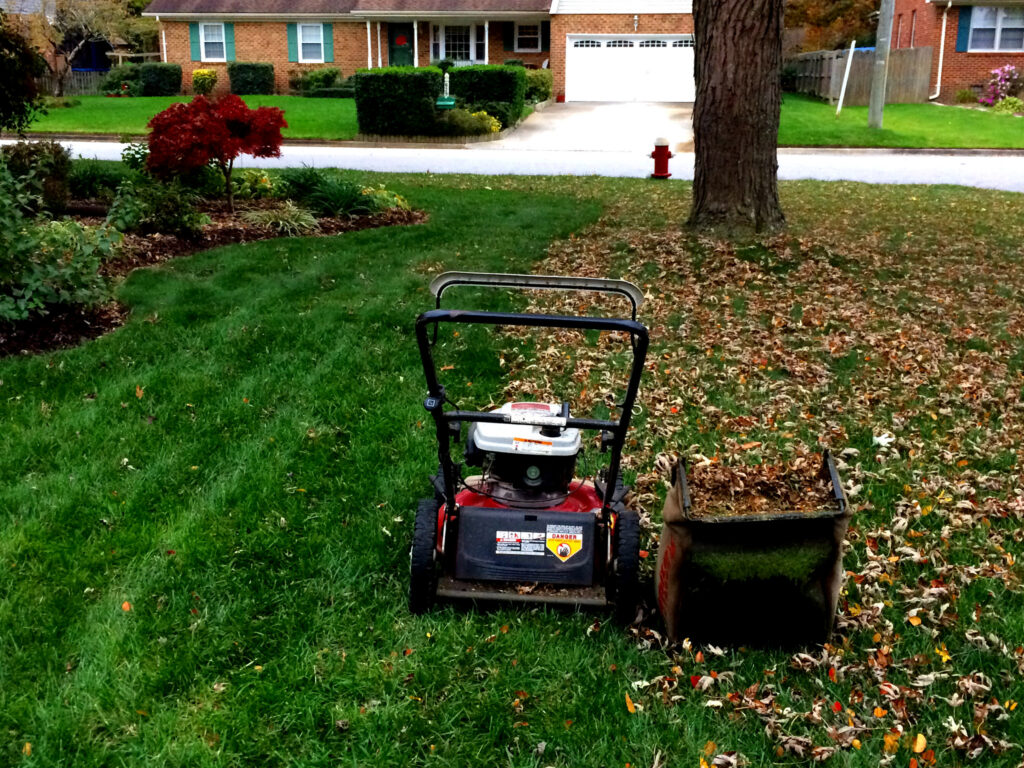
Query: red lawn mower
<point x="526" y="528"/>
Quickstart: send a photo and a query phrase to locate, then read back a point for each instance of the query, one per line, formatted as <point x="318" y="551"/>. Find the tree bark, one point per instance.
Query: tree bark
<point x="736" y="115"/>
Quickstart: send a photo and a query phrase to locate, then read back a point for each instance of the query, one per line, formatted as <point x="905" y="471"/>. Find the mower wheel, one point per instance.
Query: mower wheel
<point x="423" y="567"/>
<point x="623" y="581"/>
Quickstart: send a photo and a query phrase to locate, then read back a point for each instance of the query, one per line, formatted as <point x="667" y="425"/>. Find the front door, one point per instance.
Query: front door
<point x="400" y="45"/>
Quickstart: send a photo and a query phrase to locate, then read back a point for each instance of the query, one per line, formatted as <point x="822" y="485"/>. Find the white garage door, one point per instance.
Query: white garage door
<point x="629" y="68"/>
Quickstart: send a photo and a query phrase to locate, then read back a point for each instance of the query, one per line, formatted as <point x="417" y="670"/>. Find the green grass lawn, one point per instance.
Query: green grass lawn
<point x="307" y="118"/>
<point x="807" y="122"/>
<point x="205" y="516"/>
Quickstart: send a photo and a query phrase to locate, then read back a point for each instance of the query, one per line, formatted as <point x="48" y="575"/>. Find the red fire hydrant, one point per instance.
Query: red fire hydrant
<point x="661" y="157"/>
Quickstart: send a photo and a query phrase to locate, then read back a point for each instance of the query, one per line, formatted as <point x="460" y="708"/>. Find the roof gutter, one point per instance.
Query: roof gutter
<point x="942" y="53"/>
<point x="355" y="16"/>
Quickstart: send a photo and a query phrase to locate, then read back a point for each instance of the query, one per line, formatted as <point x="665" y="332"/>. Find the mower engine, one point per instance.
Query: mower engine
<point x="524" y="465"/>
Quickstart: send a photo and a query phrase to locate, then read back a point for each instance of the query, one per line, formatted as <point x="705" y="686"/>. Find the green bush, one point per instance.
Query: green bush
<point x="966" y="96"/>
<point x="788" y="76"/>
<point x="515" y="63"/>
<point x="45" y="264"/>
<point x="95" y="179"/>
<point x="300" y="183"/>
<point x="252" y="184"/>
<point x="459" y="122"/>
<point x="123" y="73"/>
<point x="204" y="81"/>
<point x="159" y="79"/>
<point x="1011" y="105"/>
<point x="345" y="91"/>
<point x="306" y="80"/>
<point x="149" y="206"/>
<point x="59" y="102"/>
<point x="337" y="197"/>
<point x="289" y="220"/>
<point x="47" y="165"/>
<point x="383" y="199"/>
<point x="398" y="101"/>
<point x="499" y="91"/>
<point x="539" y="85"/>
<point x="251" y="78"/>
<point x="135" y="154"/>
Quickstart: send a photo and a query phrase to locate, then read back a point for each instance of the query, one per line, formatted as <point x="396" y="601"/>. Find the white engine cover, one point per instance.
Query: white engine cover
<point x="524" y="438"/>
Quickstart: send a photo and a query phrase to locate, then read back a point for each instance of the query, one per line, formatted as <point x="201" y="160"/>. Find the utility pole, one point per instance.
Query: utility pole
<point x="881" y="67"/>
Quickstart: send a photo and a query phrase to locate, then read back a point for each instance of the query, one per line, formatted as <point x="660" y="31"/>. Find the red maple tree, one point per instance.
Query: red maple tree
<point x="185" y="137"/>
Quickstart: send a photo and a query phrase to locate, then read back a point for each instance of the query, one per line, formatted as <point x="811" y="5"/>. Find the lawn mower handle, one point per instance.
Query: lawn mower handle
<point x="436" y="394"/>
<point x="622" y="288"/>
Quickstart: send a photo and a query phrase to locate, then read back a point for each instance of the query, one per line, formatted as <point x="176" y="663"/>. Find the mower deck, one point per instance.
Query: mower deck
<point x="581" y="597"/>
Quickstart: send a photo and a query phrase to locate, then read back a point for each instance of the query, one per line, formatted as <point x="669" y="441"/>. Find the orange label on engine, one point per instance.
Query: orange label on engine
<point x="564" y="541"/>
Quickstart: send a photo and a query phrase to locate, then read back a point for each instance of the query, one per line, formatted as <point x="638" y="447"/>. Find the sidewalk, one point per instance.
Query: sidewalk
<point x="991" y="171"/>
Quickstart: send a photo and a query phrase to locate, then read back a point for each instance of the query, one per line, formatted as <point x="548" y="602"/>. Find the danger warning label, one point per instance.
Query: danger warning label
<point x="564" y="541"/>
<point x="519" y="543"/>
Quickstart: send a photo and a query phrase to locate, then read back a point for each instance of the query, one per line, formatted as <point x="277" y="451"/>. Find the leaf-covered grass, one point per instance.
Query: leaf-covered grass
<point x="307" y="118"/>
<point x="807" y="122"/>
<point x="238" y="466"/>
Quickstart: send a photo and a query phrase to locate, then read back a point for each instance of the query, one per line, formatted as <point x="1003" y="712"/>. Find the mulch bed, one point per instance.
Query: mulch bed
<point x="718" y="490"/>
<point x="69" y="326"/>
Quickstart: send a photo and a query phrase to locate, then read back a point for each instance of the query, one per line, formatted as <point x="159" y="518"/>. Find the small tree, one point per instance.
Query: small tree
<point x="185" y="137"/>
<point x="20" y="64"/>
<point x="64" y="27"/>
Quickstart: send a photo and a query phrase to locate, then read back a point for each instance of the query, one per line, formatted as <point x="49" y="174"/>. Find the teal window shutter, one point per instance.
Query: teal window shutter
<point x="293" y="42"/>
<point x="193" y="41"/>
<point x="545" y="35"/>
<point x="328" y="42"/>
<point x="509" y="36"/>
<point x="963" y="31"/>
<point x="229" y="41"/>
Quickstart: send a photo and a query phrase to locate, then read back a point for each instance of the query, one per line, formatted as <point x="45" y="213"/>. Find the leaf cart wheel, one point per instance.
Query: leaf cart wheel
<point x="423" y="566"/>
<point x="623" y="581"/>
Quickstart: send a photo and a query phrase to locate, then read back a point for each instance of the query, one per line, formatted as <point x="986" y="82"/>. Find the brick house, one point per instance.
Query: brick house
<point x="968" y="41"/>
<point x="598" y="50"/>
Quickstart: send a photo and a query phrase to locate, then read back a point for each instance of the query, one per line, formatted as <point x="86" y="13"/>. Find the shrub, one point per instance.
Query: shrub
<point x="59" y="102"/>
<point x="337" y="197"/>
<point x="135" y="154"/>
<point x="539" y="85"/>
<point x="45" y="264"/>
<point x="204" y="81"/>
<point x="118" y="76"/>
<point x="788" y="77"/>
<point x="460" y="122"/>
<point x="1011" y="105"/>
<point x="288" y="220"/>
<point x="47" y="165"/>
<point x="515" y="63"/>
<point x="251" y="78"/>
<point x="300" y="183"/>
<point x="148" y="206"/>
<point x="308" y="80"/>
<point x="966" y="96"/>
<point x="1005" y="81"/>
<point x="499" y="91"/>
<point x="159" y="79"/>
<point x="19" y="89"/>
<point x="382" y="199"/>
<point x="345" y="91"/>
<point x="186" y="137"/>
<point x="254" y="185"/>
<point x="95" y="179"/>
<point x="397" y="101"/>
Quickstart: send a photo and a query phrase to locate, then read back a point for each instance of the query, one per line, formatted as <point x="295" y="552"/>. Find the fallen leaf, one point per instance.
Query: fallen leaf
<point x="139" y="391"/>
<point x="630" y="706"/>
<point x="920" y="742"/>
<point x="27" y="749"/>
<point x="126" y="606"/>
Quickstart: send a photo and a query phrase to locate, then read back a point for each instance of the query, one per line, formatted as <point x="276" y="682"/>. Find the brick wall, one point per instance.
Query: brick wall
<point x="959" y="69"/>
<point x="268" y="42"/>
<point x="606" y="24"/>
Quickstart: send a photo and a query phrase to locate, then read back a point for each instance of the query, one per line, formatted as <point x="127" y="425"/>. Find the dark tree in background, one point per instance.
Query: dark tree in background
<point x="736" y="115"/>
<point x="19" y="66"/>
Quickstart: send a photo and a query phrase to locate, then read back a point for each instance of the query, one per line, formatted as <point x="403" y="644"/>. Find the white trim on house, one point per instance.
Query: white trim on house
<point x="631" y="7"/>
<point x="298" y="33"/>
<point x="997" y="31"/>
<point x="202" y="42"/>
<point x="526" y="49"/>
<point x="439" y="42"/>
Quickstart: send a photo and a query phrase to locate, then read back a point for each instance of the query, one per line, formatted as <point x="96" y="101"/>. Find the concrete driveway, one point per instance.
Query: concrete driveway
<point x="599" y="127"/>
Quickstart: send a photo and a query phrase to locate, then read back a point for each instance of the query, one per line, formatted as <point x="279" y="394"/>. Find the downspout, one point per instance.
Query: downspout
<point x="163" y="42"/>
<point x="942" y="51"/>
<point x="369" y="47"/>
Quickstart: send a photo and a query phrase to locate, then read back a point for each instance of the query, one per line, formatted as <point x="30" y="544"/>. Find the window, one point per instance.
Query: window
<point x="620" y="44"/>
<point x="653" y="44"/>
<point x="688" y="43"/>
<point x="211" y="42"/>
<point x="463" y="44"/>
<point x="311" y="43"/>
<point x="587" y="44"/>
<point x="527" y="38"/>
<point x="997" y="29"/>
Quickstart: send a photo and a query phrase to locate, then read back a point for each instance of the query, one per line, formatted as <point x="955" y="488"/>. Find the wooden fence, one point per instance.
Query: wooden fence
<point x="75" y="84"/>
<point x="820" y="73"/>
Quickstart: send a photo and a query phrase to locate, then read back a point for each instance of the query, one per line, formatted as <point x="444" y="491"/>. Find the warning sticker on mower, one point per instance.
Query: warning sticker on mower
<point x="564" y="541"/>
<point x="519" y="543"/>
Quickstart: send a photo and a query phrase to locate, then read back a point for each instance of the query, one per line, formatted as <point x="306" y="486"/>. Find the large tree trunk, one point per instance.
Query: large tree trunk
<point x="736" y="115"/>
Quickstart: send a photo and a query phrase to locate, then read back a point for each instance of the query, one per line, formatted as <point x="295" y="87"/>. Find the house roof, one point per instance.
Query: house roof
<point x="338" y="8"/>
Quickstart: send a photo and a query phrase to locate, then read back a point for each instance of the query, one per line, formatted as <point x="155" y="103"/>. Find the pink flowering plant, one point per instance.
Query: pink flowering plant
<point x="1006" y="81"/>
